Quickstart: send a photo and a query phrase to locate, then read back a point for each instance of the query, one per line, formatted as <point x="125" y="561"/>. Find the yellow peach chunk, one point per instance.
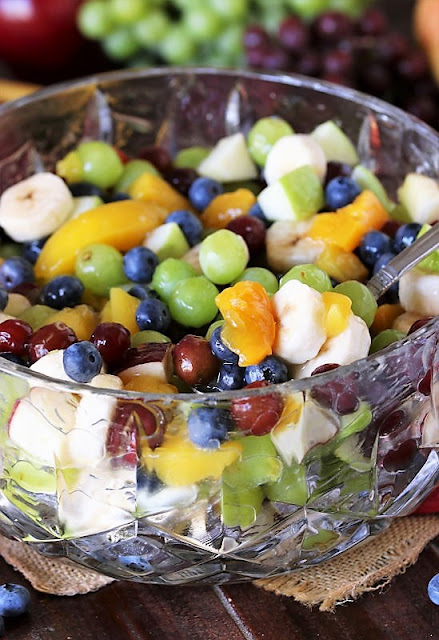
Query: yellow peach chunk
<point x="149" y="384"/>
<point x="227" y="207"/>
<point x="338" y="309"/>
<point x="122" y="225"/>
<point x="82" y="319"/>
<point x="121" y="308"/>
<point x="151" y="188"/>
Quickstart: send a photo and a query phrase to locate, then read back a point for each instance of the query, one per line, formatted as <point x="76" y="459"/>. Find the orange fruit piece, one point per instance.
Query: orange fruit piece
<point x="385" y="316"/>
<point x="82" y="319"/>
<point x="151" y="188"/>
<point x="121" y="308"/>
<point x="341" y="265"/>
<point x="346" y="227"/>
<point x="249" y="327"/>
<point x="338" y="311"/>
<point x="226" y="207"/>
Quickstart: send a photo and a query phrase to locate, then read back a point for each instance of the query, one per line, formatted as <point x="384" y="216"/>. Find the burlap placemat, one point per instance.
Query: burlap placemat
<point x="369" y="566"/>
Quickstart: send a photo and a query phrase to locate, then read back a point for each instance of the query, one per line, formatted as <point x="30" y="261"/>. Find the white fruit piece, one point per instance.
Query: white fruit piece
<point x="405" y="321"/>
<point x="192" y="257"/>
<point x="40" y="422"/>
<point x="348" y="346"/>
<point x="287" y="245"/>
<point x="420" y="196"/>
<point x="51" y="365"/>
<point x="165" y="499"/>
<point x="297" y="195"/>
<point x="419" y="292"/>
<point x="167" y="241"/>
<point x="309" y="426"/>
<point x="35" y="207"/>
<point x="292" y="152"/>
<point x="335" y="144"/>
<point x="229" y="161"/>
<point x="299" y="312"/>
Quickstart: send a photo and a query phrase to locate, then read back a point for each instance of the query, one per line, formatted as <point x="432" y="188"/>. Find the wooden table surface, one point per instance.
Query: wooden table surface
<point x="129" y="611"/>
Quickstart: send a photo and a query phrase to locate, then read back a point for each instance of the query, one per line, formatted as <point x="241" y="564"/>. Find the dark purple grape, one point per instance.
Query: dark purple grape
<point x="276" y="58"/>
<point x="333" y="26"/>
<point x="393" y="423"/>
<point x="293" y="34"/>
<point x="401" y="458"/>
<point x="392" y="47"/>
<point x="181" y="178"/>
<point x="373" y="23"/>
<point x="375" y="78"/>
<point x="309" y="64"/>
<point x="413" y="66"/>
<point x="255" y="37"/>
<point x="337" y="62"/>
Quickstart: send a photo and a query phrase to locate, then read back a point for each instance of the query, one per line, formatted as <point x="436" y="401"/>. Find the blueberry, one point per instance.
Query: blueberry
<point x="230" y="377"/>
<point x="219" y="349"/>
<point x="139" y="264"/>
<point x="4" y="297"/>
<point x="14" y="600"/>
<point x="271" y="369"/>
<point x="208" y="427"/>
<point x="433" y="589"/>
<point x="153" y="314"/>
<point x="392" y="295"/>
<point x="373" y="245"/>
<point x="62" y="291"/>
<point x="79" y="189"/>
<point x="382" y="260"/>
<point x="202" y="191"/>
<point x="148" y="481"/>
<point x="32" y="249"/>
<point x="257" y="212"/>
<point x="82" y="361"/>
<point x="405" y="236"/>
<point x="138" y="564"/>
<point x="142" y="292"/>
<point x="118" y="197"/>
<point x="341" y="191"/>
<point x="189" y="223"/>
<point x="14" y="271"/>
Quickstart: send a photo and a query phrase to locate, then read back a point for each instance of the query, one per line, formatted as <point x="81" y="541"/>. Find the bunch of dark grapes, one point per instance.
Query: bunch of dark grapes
<point x="365" y="54"/>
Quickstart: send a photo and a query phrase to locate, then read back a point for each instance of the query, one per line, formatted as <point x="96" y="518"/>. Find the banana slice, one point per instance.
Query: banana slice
<point x="419" y="292"/>
<point x="300" y="316"/>
<point x="351" y="344"/>
<point x="291" y="152"/>
<point x="35" y="207"/>
<point x="287" y="245"/>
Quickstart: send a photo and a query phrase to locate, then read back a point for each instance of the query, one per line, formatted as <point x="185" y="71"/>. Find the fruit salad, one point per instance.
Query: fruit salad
<point x="170" y="307"/>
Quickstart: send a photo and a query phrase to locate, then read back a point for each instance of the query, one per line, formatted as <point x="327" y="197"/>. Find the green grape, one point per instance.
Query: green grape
<point x="192" y="302"/>
<point x="308" y="274"/>
<point x="258" y="274"/>
<point x="231" y="10"/>
<point x="131" y="171"/>
<point x="120" y="45"/>
<point x="308" y="9"/>
<point x="94" y="20"/>
<point x="168" y="274"/>
<point x="212" y="327"/>
<point x="202" y="24"/>
<point x="150" y="30"/>
<point x="223" y="256"/>
<point x="352" y="8"/>
<point x="257" y="464"/>
<point x="37" y="315"/>
<point x="363" y="303"/>
<point x="291" y="487"/>
<point x="125" y="12"/>
<point x="100" y="267"/>
<point x="191" y="157"/>
<point x="143" y="337"/>
<point x="101" y="164"/>
<point x="177" y="47"/>
<point x="263" y="134"/>
<point x="384" y="338"/>
<point x="272" y="17"/>
<point x="229" y="43"/>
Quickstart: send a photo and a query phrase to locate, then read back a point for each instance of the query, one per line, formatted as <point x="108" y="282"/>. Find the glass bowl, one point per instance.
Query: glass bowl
<point x="353" y="448"/>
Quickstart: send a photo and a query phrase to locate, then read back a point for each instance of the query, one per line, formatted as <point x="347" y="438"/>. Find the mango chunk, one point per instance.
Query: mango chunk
<point x="338" y="311"/>
<point x="82" y="319"/>
<point x="121" y="307"/>
<point x="153" y="189"/>
<point x="122" y="225"/>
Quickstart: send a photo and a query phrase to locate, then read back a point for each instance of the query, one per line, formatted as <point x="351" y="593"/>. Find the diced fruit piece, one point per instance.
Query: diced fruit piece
<point x="341" y="265"/>
<point x="122" y="225"/>
<point x="167" y="241"/>
<point x="257" y="414"/>
<point x="420" y="196"/>
<point x="385" y="316"/>
<point x="419" y="292"/>
<point x="292" y="152"/>
<point x="249" y="327"/>
<point x="149" y="384"/>
<point x="29" y="475"/>
<point x="291" y="487"/>
<point x="226" y="207"/>
<point x="429" y="263"/>
<point x="264" y="134"/>
<point x="349" y="451"/>
<point x="131" y="171"/>
<point x="287" y="245"/>
<point x="368" y="181"/>
<point x="240" y="508"/>
<point x="322" y="540"/>
<point x="85" y="203"/>
<point x="335" y="144"/>
<point x="149" y="359"/>
<point x="338" y="310"/>
<point x="346" y="227"/>
<point x="155" y="190"/>
<point x="298" y="195"/>
<point x="121" y="308"/>
<point x="356" y="421"/>
<point x="191" y="157"/>
<point x="37" y="316"/>
<point x="229" y="160"/>
<point x="257" y="465"/>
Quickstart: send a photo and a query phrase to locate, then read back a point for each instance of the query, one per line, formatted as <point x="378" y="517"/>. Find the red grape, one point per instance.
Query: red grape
<point x="112" y="340"/>
<point x="194" y="362"/>
<point x="56" y="335"/>
<point x="181" y="178"/>
<point x="257" y="415"/>
<point x="14" y="336"/>
<point x="251" y="229"/>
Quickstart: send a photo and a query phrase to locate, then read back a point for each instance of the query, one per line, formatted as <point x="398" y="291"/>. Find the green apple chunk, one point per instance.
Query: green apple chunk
<point x="229" y="161"/>
<point x="298" y="195"/>
<point x="349" y="451"/>
<point x="356" y="421"/>
<point x="191" y="157"/>
<point x="335" y="144"/>
<point x="420" y="197"/>
<point x="85" y="203"/>
<point x="240" y="507"/>
<point x="322" y="539"/>
<point x="131" y="171"/>
<point x="167" y="241"/>
<point x="257" y="465"/>
<point x="291" y="487"/>
<point x="32" y="477"/>
<point x="367" y="180"/>
<point x="431" y="262"/>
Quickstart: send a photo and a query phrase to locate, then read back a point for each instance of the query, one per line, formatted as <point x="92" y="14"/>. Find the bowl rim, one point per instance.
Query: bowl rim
<point x="292" y="80"/>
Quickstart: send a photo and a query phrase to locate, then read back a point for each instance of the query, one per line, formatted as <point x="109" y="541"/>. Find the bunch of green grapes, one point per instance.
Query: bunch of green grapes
<point x="190" y="31"/>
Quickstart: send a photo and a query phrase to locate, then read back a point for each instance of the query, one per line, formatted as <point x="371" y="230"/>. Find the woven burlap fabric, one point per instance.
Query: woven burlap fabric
<point x="366" y="567"/>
